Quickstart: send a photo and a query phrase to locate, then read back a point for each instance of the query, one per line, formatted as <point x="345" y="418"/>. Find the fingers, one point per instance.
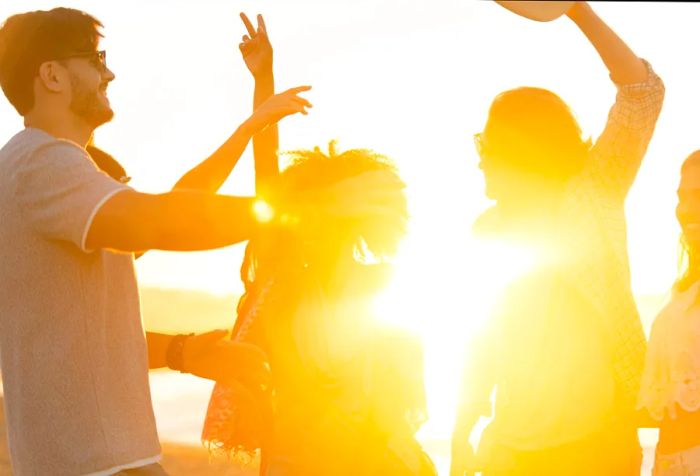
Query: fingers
<point x="211" y="336"/>
<point x="302" y="101"/>
<point x="248" y="25"/>
<point x="297" y="90"/>
<point x="248" y="359"/>
<point x="261" y="24"/>
<point x="294" y="93"/>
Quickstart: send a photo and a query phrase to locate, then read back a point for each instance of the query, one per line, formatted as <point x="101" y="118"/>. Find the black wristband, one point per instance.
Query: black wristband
<point x="173" y="356"/>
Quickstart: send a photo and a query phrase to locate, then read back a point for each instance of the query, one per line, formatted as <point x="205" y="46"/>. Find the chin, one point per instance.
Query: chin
<point x="490" y="194"/>
<point x="102" y="117"/>
<point x="693" y="244"/>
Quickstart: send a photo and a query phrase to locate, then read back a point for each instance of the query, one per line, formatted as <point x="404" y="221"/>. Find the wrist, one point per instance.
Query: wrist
<point x="264" y="76"/>
<point x="250" y="127"/>
<point x="174" y="355"/>
<point x="579" y="12"/>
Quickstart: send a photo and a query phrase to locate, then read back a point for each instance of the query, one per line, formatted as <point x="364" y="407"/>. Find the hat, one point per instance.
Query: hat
<point x="537" y="10"/>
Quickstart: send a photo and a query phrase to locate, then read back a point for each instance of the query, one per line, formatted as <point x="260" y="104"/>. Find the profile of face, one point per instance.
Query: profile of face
<point x="89" y="78"/>
<point x="501" y="182"/>
<point x="504" y="182"/>
<point x="688" y="208"/>
<point x="530" y="146"/>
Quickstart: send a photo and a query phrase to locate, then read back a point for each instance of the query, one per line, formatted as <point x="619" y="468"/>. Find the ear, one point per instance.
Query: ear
<point x="53" y="76"/>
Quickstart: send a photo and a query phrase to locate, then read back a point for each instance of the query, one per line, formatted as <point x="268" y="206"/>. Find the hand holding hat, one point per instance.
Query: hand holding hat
<point x="537" y="10"/>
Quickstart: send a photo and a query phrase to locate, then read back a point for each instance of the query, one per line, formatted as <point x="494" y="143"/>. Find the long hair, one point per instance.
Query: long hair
<point x="686" y="257"/>
<point x="534" y="130"/>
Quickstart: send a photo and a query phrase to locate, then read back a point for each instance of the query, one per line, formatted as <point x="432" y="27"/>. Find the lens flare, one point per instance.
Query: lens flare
<point x="263" y="212"/>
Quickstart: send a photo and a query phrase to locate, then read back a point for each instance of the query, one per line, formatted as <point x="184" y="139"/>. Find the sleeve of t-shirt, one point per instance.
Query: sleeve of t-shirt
<point x="59" y="190"/>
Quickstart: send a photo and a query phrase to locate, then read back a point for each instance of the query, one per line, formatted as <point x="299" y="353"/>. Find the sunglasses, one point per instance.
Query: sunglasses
<point x="98" y="59"/>
<point x="479" y="144"/>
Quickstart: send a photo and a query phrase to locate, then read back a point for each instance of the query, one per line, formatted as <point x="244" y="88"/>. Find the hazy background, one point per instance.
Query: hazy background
<point x="412" y="79"/>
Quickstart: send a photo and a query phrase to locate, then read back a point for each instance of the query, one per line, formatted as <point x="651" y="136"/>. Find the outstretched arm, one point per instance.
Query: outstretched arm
<point x="209" y="175"/>
<point x="210" y="355"/>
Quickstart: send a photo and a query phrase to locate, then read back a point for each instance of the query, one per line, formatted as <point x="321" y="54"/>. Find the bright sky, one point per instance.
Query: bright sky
<point x="409" y="78"/>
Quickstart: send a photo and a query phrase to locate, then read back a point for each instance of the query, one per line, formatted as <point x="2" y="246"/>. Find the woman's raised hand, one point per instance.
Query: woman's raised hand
<point x="256" y="48"/>
<point x="276" y="107"/>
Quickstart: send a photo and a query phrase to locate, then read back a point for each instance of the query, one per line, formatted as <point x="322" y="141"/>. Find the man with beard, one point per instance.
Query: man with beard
<point x="74" y="358"/>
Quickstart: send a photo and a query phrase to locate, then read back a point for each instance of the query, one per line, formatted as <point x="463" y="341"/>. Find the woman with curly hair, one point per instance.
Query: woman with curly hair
<point x="347" y="395"/>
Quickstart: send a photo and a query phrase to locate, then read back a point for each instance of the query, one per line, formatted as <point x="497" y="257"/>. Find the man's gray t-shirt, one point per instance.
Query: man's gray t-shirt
<point x="72" y="347"/>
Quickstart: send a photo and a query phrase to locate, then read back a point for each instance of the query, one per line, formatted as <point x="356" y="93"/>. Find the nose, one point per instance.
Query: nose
<point x="687" y="211"/>
<point x="109" y="75"/>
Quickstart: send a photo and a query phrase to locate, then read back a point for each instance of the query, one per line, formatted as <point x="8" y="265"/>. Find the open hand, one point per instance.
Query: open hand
<point x="256" y="48"/>
<point x="213" y="357"/>
<point x="279" y="106"/>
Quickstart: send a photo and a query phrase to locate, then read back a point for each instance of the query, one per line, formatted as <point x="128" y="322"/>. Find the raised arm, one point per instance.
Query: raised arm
<point x="268" y="109"/>
<point x="209" y="175"/>
<point x="258" y="56"/>
<point x="624" y="66"/>
<point x="618" y="153"/>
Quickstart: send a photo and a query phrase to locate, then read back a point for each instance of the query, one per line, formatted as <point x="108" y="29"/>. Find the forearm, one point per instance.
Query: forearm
<point x="157" y="349"/>
<point x="265" y="142"/>
<point x="209" y="175"/>
<point x="624" y="65"/>
<point x="192" y="221"/>
<point x="180" y="220"/>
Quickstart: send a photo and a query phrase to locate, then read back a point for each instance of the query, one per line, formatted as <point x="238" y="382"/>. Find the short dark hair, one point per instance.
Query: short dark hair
<point x="29" y="39"/>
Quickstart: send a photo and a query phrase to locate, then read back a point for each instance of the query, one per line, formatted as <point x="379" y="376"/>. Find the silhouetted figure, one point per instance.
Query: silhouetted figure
<point x="670" y="390"/>
<point x="347" y="394"/>
<point x="565" y="348"/>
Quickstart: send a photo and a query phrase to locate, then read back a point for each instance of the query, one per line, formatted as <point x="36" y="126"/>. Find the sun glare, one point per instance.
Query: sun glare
<point x="446" y="309"/>
<point x="263" y="211"/>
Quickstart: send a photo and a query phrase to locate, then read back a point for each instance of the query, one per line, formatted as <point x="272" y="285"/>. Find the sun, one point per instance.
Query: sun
<point x="446" y="308"/>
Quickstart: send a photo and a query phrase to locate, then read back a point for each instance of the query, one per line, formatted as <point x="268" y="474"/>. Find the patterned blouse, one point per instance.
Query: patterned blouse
<point x="593" y="272"/>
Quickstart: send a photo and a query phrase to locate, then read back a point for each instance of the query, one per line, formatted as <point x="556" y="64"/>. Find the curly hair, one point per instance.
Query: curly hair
<point x="276" y="280"/>
<point x="378" y="235"/>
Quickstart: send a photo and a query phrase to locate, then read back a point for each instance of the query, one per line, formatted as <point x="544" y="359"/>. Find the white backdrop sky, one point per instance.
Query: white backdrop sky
<point x="410" y="78"/>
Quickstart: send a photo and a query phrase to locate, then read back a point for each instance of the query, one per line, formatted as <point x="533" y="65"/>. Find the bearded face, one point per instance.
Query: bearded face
<point x="90" y="102"/>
